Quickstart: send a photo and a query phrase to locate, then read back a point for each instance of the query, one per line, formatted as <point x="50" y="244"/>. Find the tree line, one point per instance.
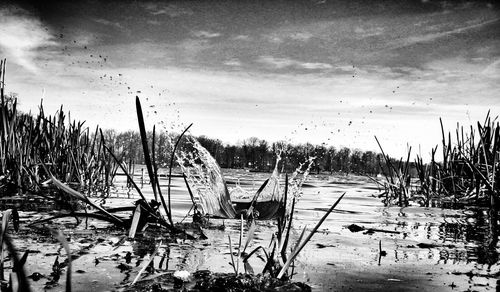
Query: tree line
<point x="253" y="153"/>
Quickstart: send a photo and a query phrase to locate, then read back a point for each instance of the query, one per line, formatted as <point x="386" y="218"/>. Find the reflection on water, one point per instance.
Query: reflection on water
<point x="459" y="236"/>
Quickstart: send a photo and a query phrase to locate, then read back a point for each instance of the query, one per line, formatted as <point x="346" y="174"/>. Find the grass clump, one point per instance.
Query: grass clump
<point x="467" y="175"/>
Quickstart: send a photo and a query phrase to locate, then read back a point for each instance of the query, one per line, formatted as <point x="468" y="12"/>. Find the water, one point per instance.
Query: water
<point x="435" y="249"/>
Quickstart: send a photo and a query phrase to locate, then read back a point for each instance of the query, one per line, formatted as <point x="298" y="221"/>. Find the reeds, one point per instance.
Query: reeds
<point x="428" y="188"/>
<point x="70" y="151"/>
<point x="145" y="212"/>
<point x="397" y="179"/>
<point x="468" y="173"/>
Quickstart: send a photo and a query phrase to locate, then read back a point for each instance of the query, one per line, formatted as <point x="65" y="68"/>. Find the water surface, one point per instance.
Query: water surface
<point x="427" y="248"/>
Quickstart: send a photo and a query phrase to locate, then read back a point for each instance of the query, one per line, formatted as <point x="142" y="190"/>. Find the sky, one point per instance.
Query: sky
<point x="318" y="71"/>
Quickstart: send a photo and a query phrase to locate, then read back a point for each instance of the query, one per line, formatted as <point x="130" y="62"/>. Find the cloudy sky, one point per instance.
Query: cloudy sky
<point x="323" y="71"/>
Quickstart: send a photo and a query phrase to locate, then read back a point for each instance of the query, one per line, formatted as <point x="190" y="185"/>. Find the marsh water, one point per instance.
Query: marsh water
<point x="426" y="249"/>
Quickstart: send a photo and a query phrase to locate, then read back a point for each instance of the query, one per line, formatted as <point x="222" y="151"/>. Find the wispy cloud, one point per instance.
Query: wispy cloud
<point x="428" y="37"/>
<point x="21" y="36"/>
<point x="287" y="32"/>
<point x="315" y="66"/>
<point x="154" y="22"/>
<point x="233" y="62"/>
<point x="273" y="38"/>
<point x="107" y="22"/>
<point x="492" y="70"/>
<point x="281" y="63"/>
<point x="206" y="34"/>
<point x="171" y="10"/>
<point x="301" y="36"/>
<point x="242" y="37"/>
<point x="278" y="63"/>
<point x="361" y="32"/>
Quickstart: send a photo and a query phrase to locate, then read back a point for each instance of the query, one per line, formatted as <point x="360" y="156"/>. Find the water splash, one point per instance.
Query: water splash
<point x="271" y="192"/>
<point x="298" y="178"/>
<point x="204" y="175"/>
<point x="203" y="172"/>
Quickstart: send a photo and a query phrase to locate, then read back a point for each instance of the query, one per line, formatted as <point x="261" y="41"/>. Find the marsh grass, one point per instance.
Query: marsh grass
<point x="397" y="179"/>
<point x="427" y="191"/>
<point x="467" y="175"/>
<point x="468" y="172"/>
<point x="68" y="149"/>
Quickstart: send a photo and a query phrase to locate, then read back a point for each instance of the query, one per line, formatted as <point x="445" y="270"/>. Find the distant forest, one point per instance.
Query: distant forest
<point x="254" y="153"/>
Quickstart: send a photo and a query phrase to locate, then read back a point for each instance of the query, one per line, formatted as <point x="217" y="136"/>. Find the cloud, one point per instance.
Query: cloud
<point x="233" y="62"/>
<point x="189" y="50"/>
<point x="411" y="40"/>
<point x="273" y="38"/>
<point x="301" y="36"/>
<point x="493" y="69"/>
<point x="281" y="63"/>
<point x="109" y="23"/>
<point x="278" y="63"/>
<point x="206" y="34"/>
<point x="21" y="36"/>
<point x="154" y="22"/>
<point x="368" y="32"/>
<point x="242" y="37"/>
<point x="315" y="66"/>
<point x="171" y="10"/>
